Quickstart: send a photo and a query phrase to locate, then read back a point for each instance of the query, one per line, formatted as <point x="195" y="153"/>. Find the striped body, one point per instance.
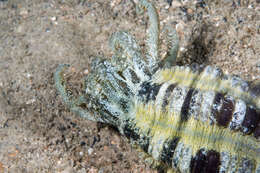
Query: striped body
<point x="200" y="121"/>
<point x="192" y="119"/>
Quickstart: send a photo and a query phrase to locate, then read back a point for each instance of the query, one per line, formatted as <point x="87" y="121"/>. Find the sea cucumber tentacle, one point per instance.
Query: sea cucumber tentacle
<point x="173" y="47"/>
<point x="109" y="91"/>
<point x="152" y="40"/>
<point x="60" y="84"/>
<point x="68" y="99"/>
<point x="124" y="45"/>
<point x="128" y="53"/>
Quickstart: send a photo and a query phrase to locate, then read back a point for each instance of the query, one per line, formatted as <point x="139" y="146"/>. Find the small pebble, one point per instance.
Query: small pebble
<point x="90" y="151"/>
<point x="23" y="12"/>
<point x="93" y="170"/>
<point x="54" y="18"/>
<point x="31" y="101"/>
<point x="81" y="153"/>
<point x="86" y="71"/>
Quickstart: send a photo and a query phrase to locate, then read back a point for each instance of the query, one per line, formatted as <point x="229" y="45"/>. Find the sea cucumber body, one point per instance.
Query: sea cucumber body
<point x="197" y="120"/>
<point x="193" y="119"/>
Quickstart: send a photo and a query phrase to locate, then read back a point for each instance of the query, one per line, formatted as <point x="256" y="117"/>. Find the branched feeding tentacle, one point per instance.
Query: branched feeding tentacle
<point x="173" y="47"/>
<point x="60" y="85"/>
<point x="72" y="103"/>
<point x="128" y="52"/>
<point x="152" y="40"/>
<point x="124" y="44"/>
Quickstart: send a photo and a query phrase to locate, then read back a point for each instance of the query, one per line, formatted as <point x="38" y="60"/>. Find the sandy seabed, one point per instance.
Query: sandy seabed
<point x="38" y="133"/>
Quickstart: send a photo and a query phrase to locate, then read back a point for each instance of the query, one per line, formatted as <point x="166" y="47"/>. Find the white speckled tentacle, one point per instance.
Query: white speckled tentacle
<point x="128" y="52"/>
<point x="152" y="40"/>
<point x="72" y="103"/>
<point x="124" y="44"/>
<point x="173" y="47"/>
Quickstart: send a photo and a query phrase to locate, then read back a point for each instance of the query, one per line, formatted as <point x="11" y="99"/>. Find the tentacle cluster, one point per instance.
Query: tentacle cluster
<point x="123" y="73"/>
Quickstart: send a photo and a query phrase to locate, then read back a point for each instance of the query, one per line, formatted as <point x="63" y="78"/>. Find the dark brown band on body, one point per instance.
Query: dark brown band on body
<point x="198" y="162"/>
<point x="250" y="121"/>
<point x="213" y="161"/>
<point x="257" y="131"/>
<point x="186" y="105"/>
<point x="149" y="91"/>
<point x="225" y="115"/>
<point x="216" y="104"/>
<point x="168" y="150"/>
<point x="205" y="162"/>
<point x="132" y="133"/>
<point x="167" y="96"/>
